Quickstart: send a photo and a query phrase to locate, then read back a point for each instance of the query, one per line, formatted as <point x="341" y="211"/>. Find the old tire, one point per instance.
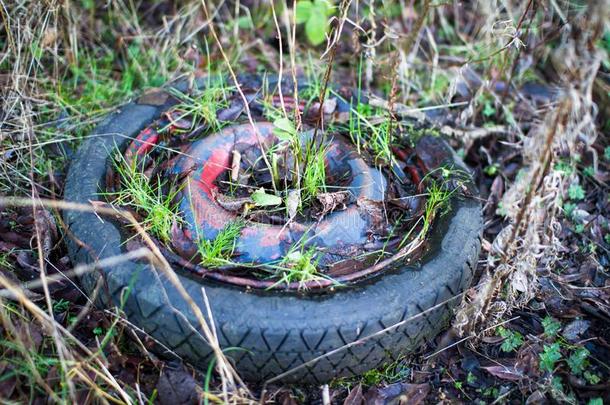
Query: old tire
<point x="270" y="333"/>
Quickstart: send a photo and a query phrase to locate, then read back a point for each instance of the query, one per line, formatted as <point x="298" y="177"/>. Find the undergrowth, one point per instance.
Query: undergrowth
<point x="146" y="196"/>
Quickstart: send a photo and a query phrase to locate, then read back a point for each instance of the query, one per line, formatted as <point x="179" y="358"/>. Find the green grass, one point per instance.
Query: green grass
<point x="309" y="162"/>
<point x="147" y="197"/>
<point x="388" y="373"/>
<point x="218" y="252"/>
<point x="5" y="260"/>
<point x="365" y="134"/>
<point x="438" y="197"/>
<point x="202" y="107"/>
<point x="314" y="172"/>
<point x="299" y="265"/>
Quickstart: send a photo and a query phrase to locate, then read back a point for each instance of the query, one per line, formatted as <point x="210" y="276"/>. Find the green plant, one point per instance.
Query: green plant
<point x="512" y="339"/>
<point x="314" y="172"/>
<point x="607" y="153"/>
<point x="438" y="199"/>
<point x="310" y="164"/>
<point x="591" y="377"/>
<point x="381" y="142"/>
<point x="202" y="106"/>
<point x="61" y="305"/>
<point x="557" y="384"/>
<point x="300" y="266"/>
<point x="589" y="171"/>
<point x="550" y="356"/>
<point x="5" y="259"/>
<point x="569" y="208"/>
<point x="578" y="360"/>
<point x="364" y="133"/>
<point x="388" y="373"/>
<point x="218" y="251"/>
<point x="314" y="14"/>
<point x="492" y="169"/>
<point x="487" y="101"/>
<point x="576" y="192"/>
<point x="551" y="326"/>
<point x="564" y="167"/>
<point x="146" y="196"/>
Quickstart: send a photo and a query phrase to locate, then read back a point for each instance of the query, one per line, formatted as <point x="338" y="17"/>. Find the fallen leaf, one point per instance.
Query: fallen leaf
<point x="262" y="199"/>
<point x="355" y="396"/>
<point x="510" y="373"/>
<point x="293" y="201"/>
<point x="153" y="96"/>
<point x="330" y="201"/>
<point x="177" y="387"/>
<point x="575" y="329"/>
<point x="398" y="393"/>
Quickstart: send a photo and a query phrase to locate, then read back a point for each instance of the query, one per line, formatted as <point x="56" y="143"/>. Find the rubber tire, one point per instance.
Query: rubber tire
<point x="277" y="331"/>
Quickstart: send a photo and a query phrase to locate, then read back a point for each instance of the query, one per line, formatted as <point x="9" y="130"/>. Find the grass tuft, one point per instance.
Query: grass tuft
<point x="218" y="252"/>
<point x="159" y="209"/>
<point x="299" y="266"/>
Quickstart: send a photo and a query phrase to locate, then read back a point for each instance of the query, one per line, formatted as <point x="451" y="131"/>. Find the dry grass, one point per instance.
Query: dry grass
<point x="66" y="64"/>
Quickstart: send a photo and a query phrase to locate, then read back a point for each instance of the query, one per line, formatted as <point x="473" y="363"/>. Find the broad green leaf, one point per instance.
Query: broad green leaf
<point x="315" y="28"/>
<point x="245" y="22"/>
<point x="303" y="11"/>
<point x="323" y="7"/>
<point x="263" y="199"/>
<point x="284" y="129"/>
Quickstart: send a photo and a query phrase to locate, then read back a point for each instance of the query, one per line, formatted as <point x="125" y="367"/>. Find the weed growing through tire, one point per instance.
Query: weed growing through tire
<point x="218" y="252"/>
<point x="137" y="191"/>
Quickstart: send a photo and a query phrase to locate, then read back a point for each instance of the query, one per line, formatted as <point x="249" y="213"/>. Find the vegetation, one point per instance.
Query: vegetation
<point x="534" y="325"/>
<point x="219" y="251"/>
<point x="146" y="195"/>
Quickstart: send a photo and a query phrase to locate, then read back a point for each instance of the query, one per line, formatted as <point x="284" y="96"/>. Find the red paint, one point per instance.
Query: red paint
<point x="212" y="168"/>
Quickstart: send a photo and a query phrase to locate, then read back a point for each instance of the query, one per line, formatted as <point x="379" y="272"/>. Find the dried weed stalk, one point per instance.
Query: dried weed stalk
<point x="529" y="243"/>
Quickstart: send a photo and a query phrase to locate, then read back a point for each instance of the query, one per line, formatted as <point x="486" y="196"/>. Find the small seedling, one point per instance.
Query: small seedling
<point x="549" y="357"/>
<point x="551" y="326"/>
<point x="589" y="171"/>
<point x="492" y="169"/>
<point x="61" y="305"/>
<point x="300" y="266"/>
<point x="579" y="360"/>
<point x="564" y="167"/>
<point x="5" y="260"/>
<point x="576" y="192"/>
<point x="591" y="377"/>
<point x="512" y="339"/>
<point x="556" y="384"/>
<point x="569" y="208"/>
<point x="314" y="14"/>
